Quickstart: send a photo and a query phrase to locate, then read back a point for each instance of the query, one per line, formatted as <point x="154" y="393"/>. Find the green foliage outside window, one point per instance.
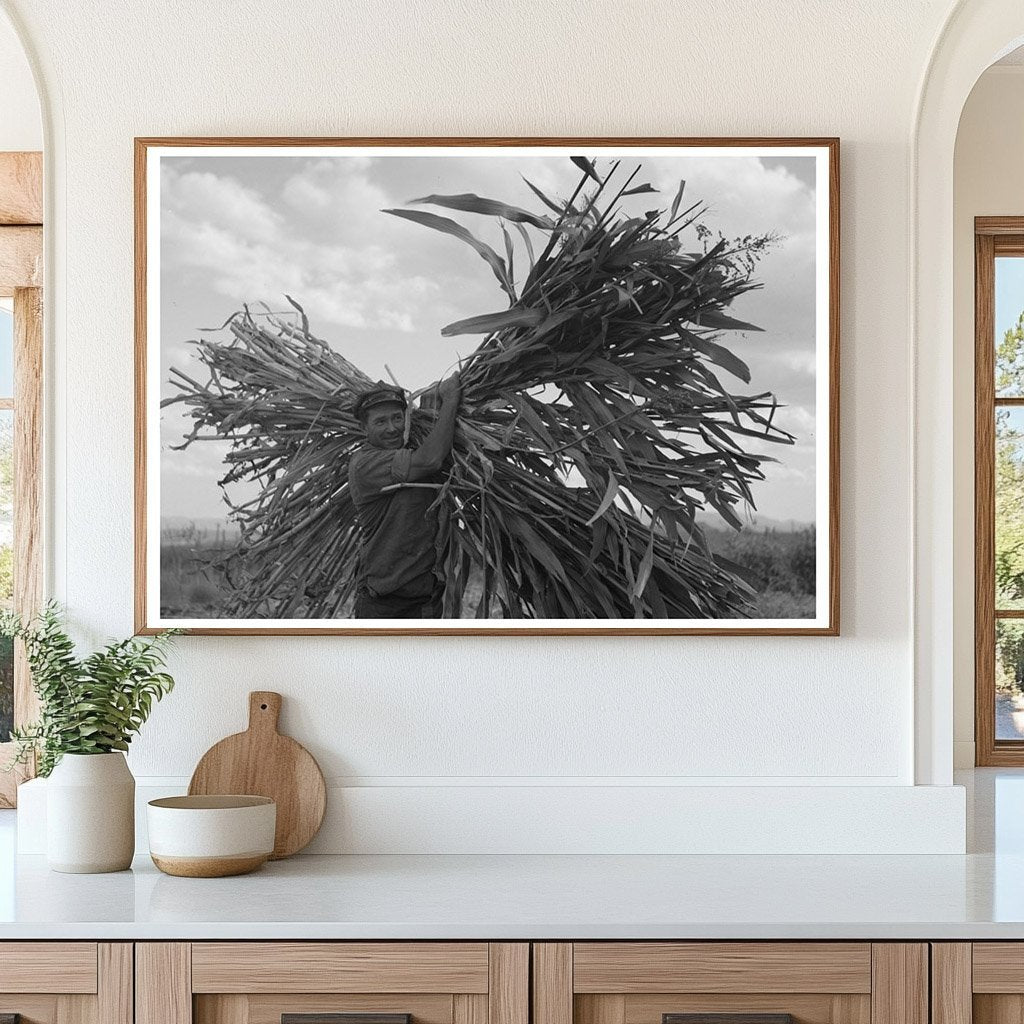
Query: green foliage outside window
<point x="1009" y="509"/>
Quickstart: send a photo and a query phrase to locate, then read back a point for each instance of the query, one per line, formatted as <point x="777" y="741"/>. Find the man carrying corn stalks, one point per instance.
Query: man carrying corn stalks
<point x="599" y="431"/>
<point x="393" y="489"/>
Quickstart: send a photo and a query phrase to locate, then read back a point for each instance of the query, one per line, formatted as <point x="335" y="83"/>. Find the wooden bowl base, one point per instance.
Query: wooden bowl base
<point x="209" y="867"/>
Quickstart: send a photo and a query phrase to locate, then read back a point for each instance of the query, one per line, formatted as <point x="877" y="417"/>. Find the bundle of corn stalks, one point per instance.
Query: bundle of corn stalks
<point x="594" y="426"/>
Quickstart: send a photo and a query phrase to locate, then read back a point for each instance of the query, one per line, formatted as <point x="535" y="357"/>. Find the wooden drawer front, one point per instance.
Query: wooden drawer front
<point x="257" y="982"/>
<point x="978" y="983"/>
<point x="998" y="967"/>
<point x="725" y="967"/>
<point x="103" y="996"/>
<point x="312" y="967"/>
<point x="995" y="972"/>
<point x="56" y="967"/>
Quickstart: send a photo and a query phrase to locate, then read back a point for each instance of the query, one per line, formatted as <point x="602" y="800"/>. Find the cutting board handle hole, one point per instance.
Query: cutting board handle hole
<point x="263" y="707"/>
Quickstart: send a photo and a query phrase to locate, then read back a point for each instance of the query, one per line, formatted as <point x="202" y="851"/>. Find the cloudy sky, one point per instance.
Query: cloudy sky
<point x="248" y="229"/>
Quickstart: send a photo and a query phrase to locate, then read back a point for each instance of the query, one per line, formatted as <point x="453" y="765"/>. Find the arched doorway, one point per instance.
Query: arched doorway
<point x="976" y="34"/>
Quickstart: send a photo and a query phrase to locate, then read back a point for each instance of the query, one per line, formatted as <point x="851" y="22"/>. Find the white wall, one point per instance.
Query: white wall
<point x="987" y="182"/>
<point x="458" y="711"/>
<point x="21" y="127"/>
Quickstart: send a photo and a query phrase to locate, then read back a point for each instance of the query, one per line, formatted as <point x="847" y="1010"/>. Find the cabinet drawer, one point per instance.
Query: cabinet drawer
<point x="340" y="967"/>
<point x="66" y="982"/>
<point x="998" y="968"/>
<point x="332" y="983"/>
<point x="65" y="967"/>
<point x="980" y="982"/>
<point x="750" y="967"/>
<point x="730" y="983"/>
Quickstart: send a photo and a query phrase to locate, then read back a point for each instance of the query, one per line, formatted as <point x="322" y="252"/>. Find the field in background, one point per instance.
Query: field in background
<point x="779" y="564"/>
<point x="191" y="583"/>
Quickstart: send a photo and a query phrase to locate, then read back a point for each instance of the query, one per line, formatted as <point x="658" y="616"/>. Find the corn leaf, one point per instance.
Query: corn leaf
<point x="674" y="209"/>
<point x="587" y="167"/>
<point x="488" y="323"/>
<point x="451" y="227"/>
<point x="610" y="494"/>
<point x="550" y="204"/>
<point x="721" y="322"/>
<point x="469" y="203"/>
<point x="722" y="357"/>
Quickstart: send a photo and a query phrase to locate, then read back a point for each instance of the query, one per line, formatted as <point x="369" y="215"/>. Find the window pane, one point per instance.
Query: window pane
<point x="6" y="567"/>
<point x="1009" y="526"/>
<point x="1009" y="679"/>
<point x="1009" y="321"/>
<point x="6" y="353"/>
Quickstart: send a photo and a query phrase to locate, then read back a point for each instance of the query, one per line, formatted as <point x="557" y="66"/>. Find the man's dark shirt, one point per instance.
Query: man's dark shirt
<point x="397" y="554"/>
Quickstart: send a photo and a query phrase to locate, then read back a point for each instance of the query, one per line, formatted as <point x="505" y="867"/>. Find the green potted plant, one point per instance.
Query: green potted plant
<point x="90" y="708"/>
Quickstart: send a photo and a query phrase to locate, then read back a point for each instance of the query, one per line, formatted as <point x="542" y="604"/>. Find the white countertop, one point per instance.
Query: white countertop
<point x="980" y="895"/>
<point x="497" y="897"/>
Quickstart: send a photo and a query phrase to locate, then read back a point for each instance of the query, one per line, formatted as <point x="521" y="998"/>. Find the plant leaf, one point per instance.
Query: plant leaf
<point x="609" y="496"/>
<point x="722" y="357"/>
<point x="470" y="203"/>
<point x="302" y="313"/>
<point x="527" y="243"/>
<point x="451" y="227"/>
<point x="675" y="202"/>
<point x="487" y="323"/>
<point x="643" y="574"/>
<point x="721" y="322"/>
<point x="587" y="167"/>
<point x="550" y="204"/>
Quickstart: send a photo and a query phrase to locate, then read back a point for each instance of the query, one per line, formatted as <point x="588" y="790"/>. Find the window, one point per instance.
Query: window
<point x="6" y="511"/>
<point x="21" y="252"/>
<point x="999" y="490"/>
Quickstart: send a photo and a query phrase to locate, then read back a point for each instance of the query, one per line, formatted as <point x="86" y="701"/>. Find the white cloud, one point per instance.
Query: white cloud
<point x="248" y="251"/>
<point x="212" y="200"/>
<point x="799" y="421"/>
<point x="799" y="362"/>
<point x="335" y="199"/>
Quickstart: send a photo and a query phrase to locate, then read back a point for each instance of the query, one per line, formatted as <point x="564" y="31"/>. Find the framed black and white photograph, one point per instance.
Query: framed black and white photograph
<point x="487" y="386"/>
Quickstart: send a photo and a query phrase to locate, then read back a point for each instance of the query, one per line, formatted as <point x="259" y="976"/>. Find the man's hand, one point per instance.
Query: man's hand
<point x="437" y="445"/>
<point x="450" y="389"/>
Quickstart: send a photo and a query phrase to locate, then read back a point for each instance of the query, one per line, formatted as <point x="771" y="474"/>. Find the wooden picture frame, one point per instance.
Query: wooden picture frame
<point x="818" y="612"/>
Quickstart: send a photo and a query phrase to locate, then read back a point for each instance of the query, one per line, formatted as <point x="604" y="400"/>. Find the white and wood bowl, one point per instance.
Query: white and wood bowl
<point x="211" y="836"/>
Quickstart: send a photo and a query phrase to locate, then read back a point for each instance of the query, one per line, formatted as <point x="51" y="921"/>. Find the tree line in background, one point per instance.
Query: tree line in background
<point x="780" y="565"/>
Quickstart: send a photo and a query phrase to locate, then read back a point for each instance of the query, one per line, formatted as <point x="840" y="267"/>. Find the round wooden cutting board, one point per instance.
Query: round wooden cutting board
<point x="262" y="762"/>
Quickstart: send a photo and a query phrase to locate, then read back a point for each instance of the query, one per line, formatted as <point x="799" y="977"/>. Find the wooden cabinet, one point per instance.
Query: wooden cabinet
<point x="978" y="983"/>
<point x="753" y="982"/>
<point x="264" y="982"/>
<point x="66" y="982"/>
<point x="512" y="983"/>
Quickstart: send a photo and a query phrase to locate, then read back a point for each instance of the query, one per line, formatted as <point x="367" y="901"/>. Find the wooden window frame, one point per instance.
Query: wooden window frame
<point x="993" y="237"/>
<point x="21" y="278"/>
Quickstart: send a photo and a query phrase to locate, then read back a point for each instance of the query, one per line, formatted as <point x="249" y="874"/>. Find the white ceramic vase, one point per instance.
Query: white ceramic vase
<point x="90" y="814"/>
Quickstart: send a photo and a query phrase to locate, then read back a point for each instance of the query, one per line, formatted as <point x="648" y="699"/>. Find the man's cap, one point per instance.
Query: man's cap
<point x="380" y="394"/>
